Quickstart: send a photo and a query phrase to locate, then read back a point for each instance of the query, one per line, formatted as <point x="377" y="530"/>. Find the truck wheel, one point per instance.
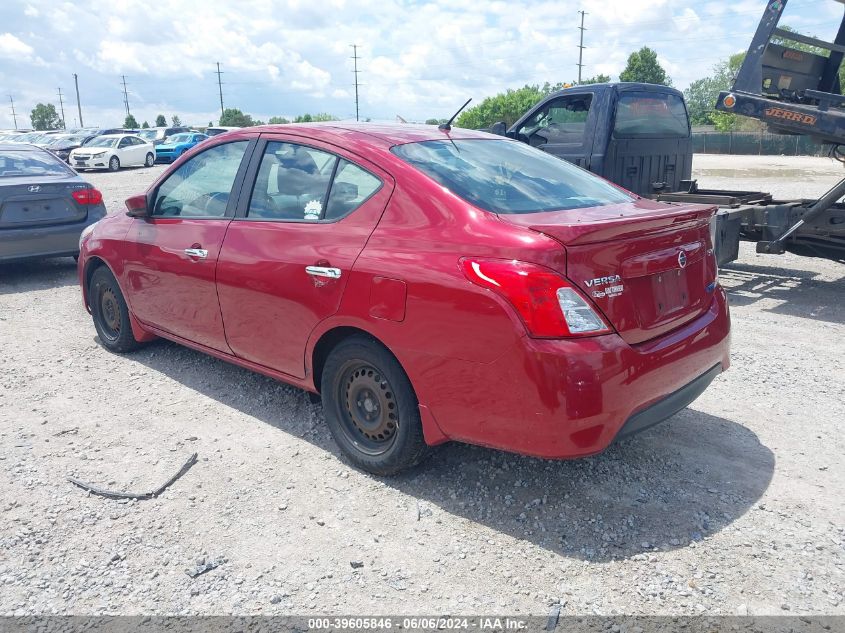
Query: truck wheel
<point x="371" y="409"/>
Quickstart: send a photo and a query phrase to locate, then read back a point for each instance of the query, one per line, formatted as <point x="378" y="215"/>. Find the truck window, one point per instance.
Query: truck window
<point x="649" y="114"/>
<point x="562" y="120"/>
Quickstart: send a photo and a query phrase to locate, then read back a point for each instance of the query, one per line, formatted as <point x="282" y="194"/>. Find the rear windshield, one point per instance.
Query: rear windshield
<point x="508" y="177"/>
<point x="150" y="135"/>
<point x="649" y="114"/>
<point x="30" y="163"/>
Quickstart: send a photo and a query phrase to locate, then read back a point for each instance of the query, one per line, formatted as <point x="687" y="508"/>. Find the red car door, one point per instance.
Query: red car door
<point x="172" y="255"/>
<point x="287" y="255"/>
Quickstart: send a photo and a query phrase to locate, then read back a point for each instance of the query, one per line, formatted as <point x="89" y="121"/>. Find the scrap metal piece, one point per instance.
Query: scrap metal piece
<point x="116" y="494"/>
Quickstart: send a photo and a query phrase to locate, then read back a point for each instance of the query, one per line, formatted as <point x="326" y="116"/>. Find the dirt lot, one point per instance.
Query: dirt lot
<point x="733" y="506"/>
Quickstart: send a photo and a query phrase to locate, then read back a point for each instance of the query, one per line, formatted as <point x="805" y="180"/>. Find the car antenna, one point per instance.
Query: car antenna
<point x="448" y="125"/>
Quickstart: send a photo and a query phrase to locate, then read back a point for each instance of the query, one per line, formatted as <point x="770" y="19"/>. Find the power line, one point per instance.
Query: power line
<point x="125" y="96"/>
<point x="355" y="72"/>
<point x="62" y="108"/>
<point x="14" y="116"/>
<point x="220" y="87"/>
<point x="78" y="102"/>
<point x="581" y="46"/>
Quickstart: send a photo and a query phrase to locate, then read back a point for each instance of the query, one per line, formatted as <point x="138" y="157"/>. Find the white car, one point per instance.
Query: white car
<point x="113" y="151"/>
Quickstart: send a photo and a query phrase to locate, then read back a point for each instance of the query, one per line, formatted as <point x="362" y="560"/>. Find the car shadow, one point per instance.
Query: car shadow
<point x="666" y="488"/>
<point x="37" y="274"/>
<point x="801" y="293"/>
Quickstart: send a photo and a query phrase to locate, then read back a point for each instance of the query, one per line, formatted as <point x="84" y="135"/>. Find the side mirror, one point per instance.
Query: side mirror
<point x="137" y="207"/>
<point x="499" y="128"/>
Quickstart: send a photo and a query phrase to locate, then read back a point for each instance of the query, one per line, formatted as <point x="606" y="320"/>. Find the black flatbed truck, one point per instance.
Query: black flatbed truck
<point x="638" y="136"/>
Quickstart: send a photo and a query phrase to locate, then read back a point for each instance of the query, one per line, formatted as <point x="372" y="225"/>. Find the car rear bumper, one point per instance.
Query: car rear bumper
<point x="45" y="241"/>
<point x="573" y="398"/>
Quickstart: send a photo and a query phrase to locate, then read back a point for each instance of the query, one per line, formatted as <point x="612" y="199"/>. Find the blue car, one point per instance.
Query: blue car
<point x="176" y="145"/>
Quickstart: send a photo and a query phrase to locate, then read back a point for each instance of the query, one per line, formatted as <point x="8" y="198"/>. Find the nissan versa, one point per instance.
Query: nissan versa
<point x="431" y="284"/>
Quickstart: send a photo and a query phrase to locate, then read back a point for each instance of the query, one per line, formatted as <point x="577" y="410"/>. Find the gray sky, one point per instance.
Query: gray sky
<point x="418" y="59"/>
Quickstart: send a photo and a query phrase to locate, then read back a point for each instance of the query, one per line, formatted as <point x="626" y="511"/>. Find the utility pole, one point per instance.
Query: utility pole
<point x="355" y="59"/>
<point x="581" y="46"/>
<point x="220" y="87"/>
<point x="62" y="108"/>
<point x="78" y="102"/>
<point x="125" y="95"/>
<point x="14" y="116"/>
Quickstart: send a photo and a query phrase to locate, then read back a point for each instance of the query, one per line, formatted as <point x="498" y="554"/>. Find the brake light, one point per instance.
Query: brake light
<point x="88" y="196"/>
<point x="548" y="304"/>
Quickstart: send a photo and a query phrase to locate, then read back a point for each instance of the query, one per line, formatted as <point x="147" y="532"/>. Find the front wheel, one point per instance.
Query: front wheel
<point x="371" y="409"/>
<point x="110" y="312"/>
<point x="151" y="160"/>
<point x="114" y="163"/>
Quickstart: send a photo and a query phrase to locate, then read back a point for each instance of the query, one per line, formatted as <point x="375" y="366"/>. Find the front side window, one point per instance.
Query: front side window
<point x="292" y="183"/>
<point x="505" y="176"/>
<point x="562" y="120"/>
<point x="649" y="114"/>
<point x="202" y="185"/>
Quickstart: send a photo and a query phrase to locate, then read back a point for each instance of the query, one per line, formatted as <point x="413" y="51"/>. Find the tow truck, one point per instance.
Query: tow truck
<point x="638" y="136"/>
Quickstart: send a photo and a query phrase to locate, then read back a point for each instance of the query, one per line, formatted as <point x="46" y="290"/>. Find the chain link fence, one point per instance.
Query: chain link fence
<point x="753" y="143"/>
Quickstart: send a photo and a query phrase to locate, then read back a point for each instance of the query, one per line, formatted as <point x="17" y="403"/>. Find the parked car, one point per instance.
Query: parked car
<point x="44" y="205"/>
<point x="220" y="129"/>
<point x="431" y="285"/>
<point x="156" y="135"/>
<point x="113" y="151"/>
<point x="63" y="145"/>
<point x="176" y="145"/>
<point x="48" y="138"/>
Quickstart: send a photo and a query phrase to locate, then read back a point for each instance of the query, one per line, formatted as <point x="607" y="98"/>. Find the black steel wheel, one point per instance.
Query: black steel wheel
<point x="110" y="312"/>
<point x="371" y="409"/>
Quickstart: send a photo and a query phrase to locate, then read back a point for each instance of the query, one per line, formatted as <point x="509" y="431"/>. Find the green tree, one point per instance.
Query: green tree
<point x="506" y="106"/>
<point x="235" y="118"/>
<point x="277" y="120"/>
<point x="130" y="122"/>
<point x="161" y="121"/>
<point x="644" y="67"/>
<point x="45" y="117"/>
<point x="303" y="118"/>
<point x="176" y="121"/>
<point x="435" y="121"/>
<point x="598" y="79"/>
<point x="145" y="125"/>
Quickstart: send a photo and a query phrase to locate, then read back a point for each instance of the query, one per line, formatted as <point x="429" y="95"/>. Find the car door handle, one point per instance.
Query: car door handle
<point x="323" y="271"/>
<point x="201" y="253"/>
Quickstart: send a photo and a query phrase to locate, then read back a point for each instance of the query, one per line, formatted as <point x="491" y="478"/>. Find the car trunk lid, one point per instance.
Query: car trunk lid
<point x="648" y="266"/>
<point x="24" y="203"/>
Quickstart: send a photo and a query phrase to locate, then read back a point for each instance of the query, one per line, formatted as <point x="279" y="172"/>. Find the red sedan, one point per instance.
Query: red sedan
<point x="431" y="285"/>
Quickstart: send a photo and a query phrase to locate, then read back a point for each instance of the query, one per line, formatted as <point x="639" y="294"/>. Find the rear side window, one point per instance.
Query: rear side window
<point x="649" y="114"/>
<point x="30" y="163"/>
<point x="507" y="176"/>
<point x="352" y="187"/>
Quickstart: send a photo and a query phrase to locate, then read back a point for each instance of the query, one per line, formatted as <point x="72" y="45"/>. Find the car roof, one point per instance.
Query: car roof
<point x="379" y="134"/>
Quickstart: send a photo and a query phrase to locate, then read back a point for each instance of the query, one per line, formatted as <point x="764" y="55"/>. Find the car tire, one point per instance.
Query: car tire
<point x="114" y="163"/>
<point x="110" y="312"/>
<point x="151" y="160"/>
<point x="371" y="408"/>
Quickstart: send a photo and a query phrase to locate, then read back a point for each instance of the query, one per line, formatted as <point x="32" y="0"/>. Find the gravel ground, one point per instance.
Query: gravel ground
<point x="733" y="506"/>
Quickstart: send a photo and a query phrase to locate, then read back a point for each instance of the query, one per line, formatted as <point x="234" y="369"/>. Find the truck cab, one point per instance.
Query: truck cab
<point x="634" y="134"/>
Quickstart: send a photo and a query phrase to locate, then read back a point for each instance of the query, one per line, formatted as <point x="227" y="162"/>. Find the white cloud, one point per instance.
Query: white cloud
<point x="13" y="48"/>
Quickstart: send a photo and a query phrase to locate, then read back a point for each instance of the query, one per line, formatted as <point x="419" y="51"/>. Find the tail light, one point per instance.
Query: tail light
<point x="88" y="196"/>
<point x="548" y="304"/>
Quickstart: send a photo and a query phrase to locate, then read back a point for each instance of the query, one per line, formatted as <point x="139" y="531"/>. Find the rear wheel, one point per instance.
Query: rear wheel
<point x="370" y="407"/>
<point x="150" y="160"/>
<point x="114" y="163"/>
<point x="110" y="312"/>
